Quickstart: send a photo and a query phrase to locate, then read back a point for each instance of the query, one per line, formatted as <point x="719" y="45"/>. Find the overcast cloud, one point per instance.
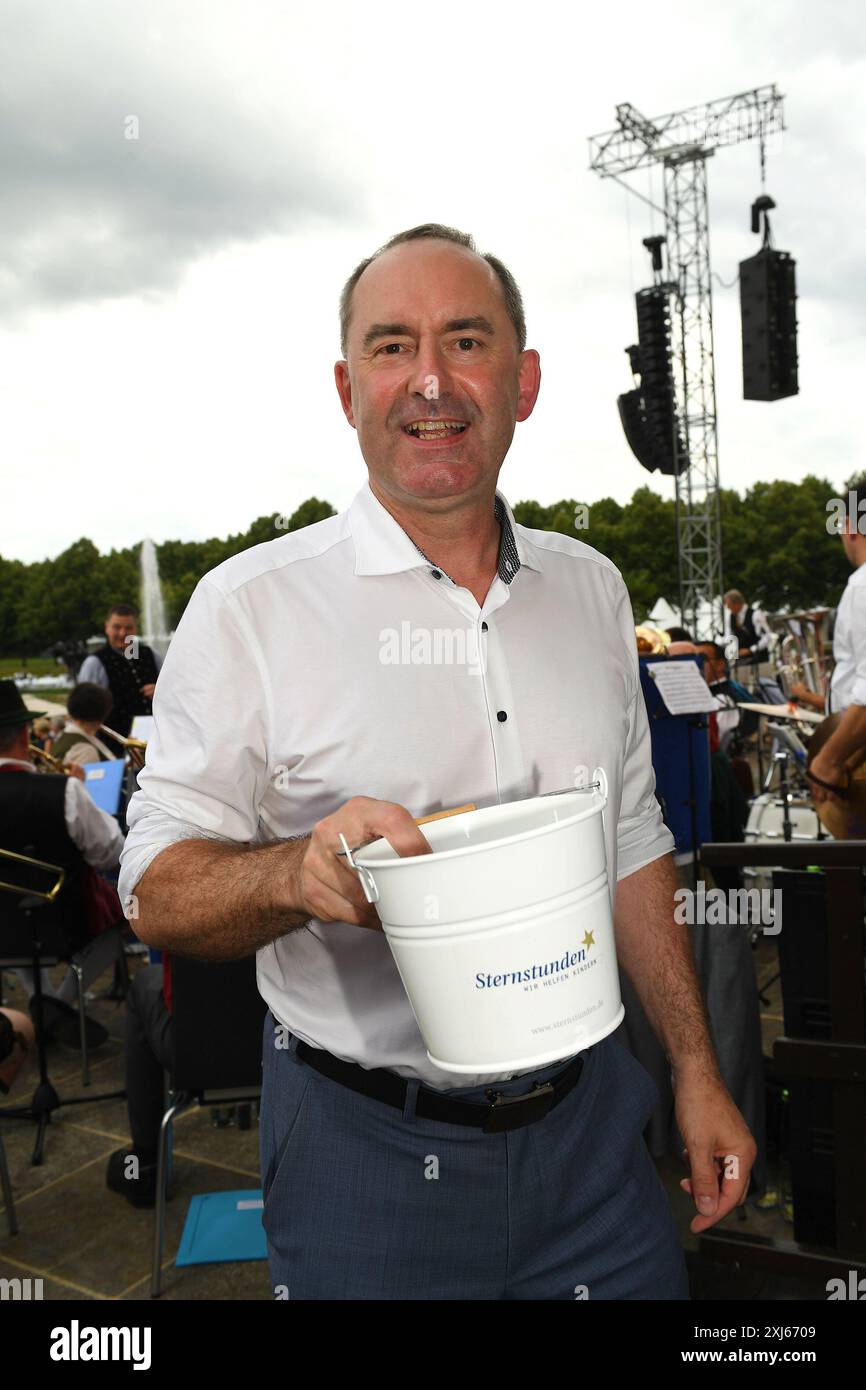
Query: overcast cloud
<point x="169" y="302"/>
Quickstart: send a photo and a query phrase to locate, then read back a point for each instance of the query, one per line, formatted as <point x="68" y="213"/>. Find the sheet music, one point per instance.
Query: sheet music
<point x="682" y="687"/>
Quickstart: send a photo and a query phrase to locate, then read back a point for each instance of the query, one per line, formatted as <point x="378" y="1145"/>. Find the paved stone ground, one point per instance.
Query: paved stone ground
<point x="83" y="1240"/>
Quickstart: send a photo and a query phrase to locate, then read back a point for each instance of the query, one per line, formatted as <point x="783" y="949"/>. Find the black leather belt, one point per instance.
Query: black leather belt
<point x="500" y="1113"/>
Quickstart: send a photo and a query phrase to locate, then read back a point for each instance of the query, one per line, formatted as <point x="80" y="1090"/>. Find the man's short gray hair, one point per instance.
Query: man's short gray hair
<point x="436" y="231"/>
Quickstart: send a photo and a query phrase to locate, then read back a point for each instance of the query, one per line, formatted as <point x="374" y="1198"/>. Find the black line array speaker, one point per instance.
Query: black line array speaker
<point x="648" y="412"/>
<point x="768" y="312"/>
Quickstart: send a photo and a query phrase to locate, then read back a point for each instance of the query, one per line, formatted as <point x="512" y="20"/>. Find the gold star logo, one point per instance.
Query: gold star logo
<point x="588" y="939"/>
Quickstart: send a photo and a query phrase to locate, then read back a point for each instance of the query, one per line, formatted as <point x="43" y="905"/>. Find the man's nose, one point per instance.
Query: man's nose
<point x="430" y="376"/>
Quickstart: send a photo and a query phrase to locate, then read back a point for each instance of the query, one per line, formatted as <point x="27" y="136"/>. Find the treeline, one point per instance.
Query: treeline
<point x="776" y="548"/>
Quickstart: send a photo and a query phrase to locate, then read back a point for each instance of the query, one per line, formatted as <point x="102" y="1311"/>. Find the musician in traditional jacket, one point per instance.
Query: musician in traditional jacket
<point x="125" y="666"/>
<point x="53" y="818"/>
<point x="89" y="706"/>
<point x="748" y="623"/>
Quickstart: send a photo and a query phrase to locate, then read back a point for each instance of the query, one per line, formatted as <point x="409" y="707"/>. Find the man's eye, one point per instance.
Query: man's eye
<point x="387" y="347"/>
<point x="461" y="341"/>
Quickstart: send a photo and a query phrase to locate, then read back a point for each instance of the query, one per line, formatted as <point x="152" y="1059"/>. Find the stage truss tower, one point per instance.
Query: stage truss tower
<point x="681" y="143"/>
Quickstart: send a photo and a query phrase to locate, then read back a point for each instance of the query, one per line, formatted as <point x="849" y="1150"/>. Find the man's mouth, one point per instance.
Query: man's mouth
<point x="435" y="429"/>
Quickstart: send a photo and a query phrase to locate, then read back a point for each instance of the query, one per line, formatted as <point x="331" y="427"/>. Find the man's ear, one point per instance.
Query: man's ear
<point x="344" y="390"/>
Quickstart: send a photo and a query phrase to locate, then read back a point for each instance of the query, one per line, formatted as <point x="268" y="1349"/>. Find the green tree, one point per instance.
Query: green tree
<point x="776" y="548"/>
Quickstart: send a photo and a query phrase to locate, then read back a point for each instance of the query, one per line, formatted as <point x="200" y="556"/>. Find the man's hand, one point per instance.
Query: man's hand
<point x="323" y="884"/>
<point x="745" y="651"/>
<point x="74" y="770"/>
<point x="719" y="1149"/>
<point x="147" y="690"/>
<point x="802" y="694"/>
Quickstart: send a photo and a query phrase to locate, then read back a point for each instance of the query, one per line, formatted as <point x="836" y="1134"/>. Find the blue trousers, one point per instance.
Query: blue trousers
<point x="363" y="1202"/>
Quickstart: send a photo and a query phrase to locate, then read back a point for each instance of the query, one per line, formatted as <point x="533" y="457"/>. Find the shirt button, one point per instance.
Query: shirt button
<point x="501" y="716"/>
<point x="483" y="627"/>
<point x="437" y="574"/>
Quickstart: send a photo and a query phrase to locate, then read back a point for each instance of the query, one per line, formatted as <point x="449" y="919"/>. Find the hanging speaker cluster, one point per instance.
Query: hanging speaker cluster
<point x="648" y="413"/>
<point x="768" y="313"/>
<point x="768" y="310"/>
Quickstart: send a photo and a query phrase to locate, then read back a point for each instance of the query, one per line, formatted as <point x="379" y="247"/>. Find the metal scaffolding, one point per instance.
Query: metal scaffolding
<point x="682" y="142"/>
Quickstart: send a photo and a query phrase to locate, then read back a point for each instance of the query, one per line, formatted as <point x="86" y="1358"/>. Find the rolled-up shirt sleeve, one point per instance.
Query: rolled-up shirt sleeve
<point x="206" y="769"/>
<point x="642" y="835"/>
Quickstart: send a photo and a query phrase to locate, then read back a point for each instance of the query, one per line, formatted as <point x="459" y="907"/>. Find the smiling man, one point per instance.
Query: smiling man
<point x="279" y="727"/>
<point x="125" y="666"/>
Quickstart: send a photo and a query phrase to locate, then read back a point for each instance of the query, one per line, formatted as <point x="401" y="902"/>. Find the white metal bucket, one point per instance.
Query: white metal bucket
<point x="503" y="935"/>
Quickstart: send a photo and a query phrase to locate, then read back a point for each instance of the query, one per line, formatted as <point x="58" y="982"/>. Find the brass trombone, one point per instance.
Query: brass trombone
<point x="40" y="864"/>
<point x="135" y="747"/>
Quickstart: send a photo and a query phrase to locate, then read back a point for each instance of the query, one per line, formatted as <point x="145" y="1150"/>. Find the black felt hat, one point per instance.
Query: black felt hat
<point x="12" y="707"/>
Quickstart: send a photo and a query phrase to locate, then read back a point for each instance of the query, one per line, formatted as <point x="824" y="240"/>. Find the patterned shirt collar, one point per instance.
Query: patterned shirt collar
<point x="509" y="561"/>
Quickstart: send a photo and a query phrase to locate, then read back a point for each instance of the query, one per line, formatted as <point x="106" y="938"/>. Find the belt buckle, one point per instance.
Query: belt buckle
<point x="513" y="1112"/>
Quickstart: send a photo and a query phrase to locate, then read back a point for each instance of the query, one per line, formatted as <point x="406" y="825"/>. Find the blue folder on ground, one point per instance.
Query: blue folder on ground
<point x="104" y="781"/>
<point x="223" y="1226"/>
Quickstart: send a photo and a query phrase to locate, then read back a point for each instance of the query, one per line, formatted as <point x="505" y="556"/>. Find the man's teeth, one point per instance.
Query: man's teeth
<point x="435" y="429"/>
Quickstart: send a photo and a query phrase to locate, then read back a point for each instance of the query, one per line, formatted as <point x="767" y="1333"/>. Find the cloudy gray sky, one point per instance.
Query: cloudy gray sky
<point x="168" y="304"/>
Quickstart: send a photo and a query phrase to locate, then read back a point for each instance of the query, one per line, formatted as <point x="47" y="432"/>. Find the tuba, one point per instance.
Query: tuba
<point x="650" y="641"/>
<point x="799" y="654"/>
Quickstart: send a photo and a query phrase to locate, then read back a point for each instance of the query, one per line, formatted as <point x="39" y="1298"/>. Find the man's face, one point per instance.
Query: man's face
<point x="733" y="606"/>
<point x="430" y="340"/>
<point x="118" y="628"/>
<point x="714" y="665"/>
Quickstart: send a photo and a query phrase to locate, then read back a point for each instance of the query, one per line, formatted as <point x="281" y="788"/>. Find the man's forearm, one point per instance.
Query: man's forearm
<point x="656" y="953"/>
<point x="849" y="737"/>
<point x="218" y="901"/>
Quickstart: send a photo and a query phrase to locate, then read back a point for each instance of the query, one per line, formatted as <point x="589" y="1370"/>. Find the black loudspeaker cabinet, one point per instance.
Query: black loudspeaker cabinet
<point x="648" y="413"/>
<point x="805" y="977"/>
<point x="768" y="312"/>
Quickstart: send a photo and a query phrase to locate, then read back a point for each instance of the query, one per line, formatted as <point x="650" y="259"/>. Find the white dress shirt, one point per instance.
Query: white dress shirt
<point x="90" y="829"/>
<point x="332" y="663"/>
<point x="848" y="685"/>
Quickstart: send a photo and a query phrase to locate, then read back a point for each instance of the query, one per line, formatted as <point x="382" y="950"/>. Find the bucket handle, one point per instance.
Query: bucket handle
<point x="598" y="783"/>
<point x="368" y="883"/>
<point x="599" y="776"/>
